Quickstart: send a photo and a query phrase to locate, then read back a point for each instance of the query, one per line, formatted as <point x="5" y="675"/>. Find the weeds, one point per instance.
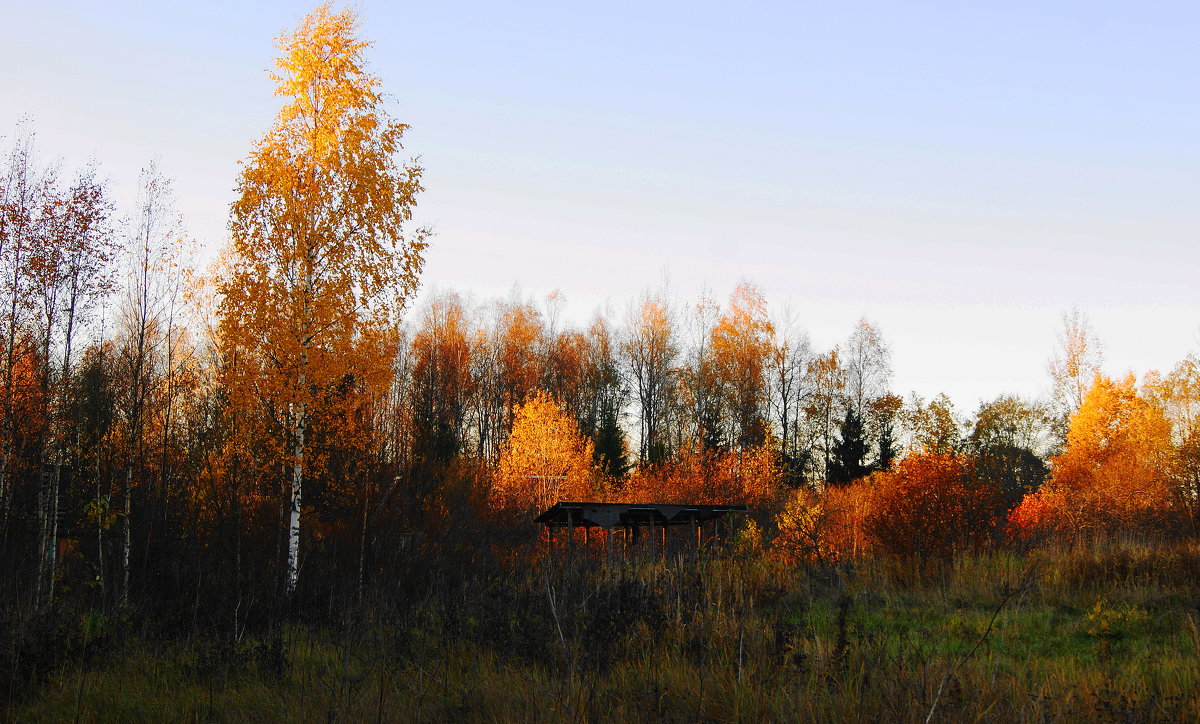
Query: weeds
<point x="722" y="640"/>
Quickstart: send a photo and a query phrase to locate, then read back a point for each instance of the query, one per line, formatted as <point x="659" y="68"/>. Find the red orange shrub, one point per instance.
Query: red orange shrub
<point x="1034" y="517"/>
<point x="931" y="506"/>
<point x="823" y="527"/>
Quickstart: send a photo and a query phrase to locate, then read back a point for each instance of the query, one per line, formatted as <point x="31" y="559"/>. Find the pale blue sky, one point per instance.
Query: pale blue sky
<point x="961" y="174"/>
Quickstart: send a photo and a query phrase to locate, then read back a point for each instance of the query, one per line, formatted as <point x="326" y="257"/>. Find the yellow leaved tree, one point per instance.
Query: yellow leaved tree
<point x="1118" y="468"/>
<point x="319" y="263"/>
<point x="741" y="347"/>
<point x="545" y="459"/>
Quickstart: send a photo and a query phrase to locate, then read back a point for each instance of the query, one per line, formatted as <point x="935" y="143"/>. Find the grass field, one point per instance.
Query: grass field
<point x="1108" y="633"/>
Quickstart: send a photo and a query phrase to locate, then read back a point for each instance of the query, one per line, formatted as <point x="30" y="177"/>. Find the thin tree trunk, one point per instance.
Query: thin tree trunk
<point x="135" y="429"/>
<point x="101" y="519"/>
<point x="5" y="485"/>
<point x="235" y="514"/>
<point x="52" y="537"/>
<point x="47" y="484"/>
<point x="127" y="545"/>
<point x="295" y="500"/>
<point x="164" y="480"/>
<point x="58" y="426"/>
<point x="43" y="588"/>
<point x="362" y="541"/>
<point x="4" y="503"/>
<point x="105" y="513"/>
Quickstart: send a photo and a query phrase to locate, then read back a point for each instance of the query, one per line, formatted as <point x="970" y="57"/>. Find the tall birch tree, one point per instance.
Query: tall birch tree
<point x="71" y="265"/>
<point x="154" y="247"/>
<point x="322" y="265"/>
<point x="650" y="349"/>
<point x="1075" y="364"/>
<point x="21" y="190"/>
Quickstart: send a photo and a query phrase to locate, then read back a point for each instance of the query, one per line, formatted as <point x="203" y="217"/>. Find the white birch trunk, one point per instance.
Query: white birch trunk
<point x="127" y="545"/>
<point x="100" y="579"/>
<point x="4" y="502"/>
<point x="48" y="513"/>
<point x="42" y="586"/>
<point x="295" y="500"/>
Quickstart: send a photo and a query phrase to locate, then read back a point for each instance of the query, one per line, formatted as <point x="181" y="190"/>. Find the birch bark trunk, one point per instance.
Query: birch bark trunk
<point x="295" y="500"/>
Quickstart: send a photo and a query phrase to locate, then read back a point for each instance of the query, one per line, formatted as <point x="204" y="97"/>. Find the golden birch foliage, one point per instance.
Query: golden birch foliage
<point x="827" y="377"/>
<point x="706" y="477"/>
<point x="565" y="371"/>
<point x="320" y="265"/>
<point x="650" y="350"/>
<point x="1178" y="394"/>
<point x="521" y="335"/>
<point x="1118" y="466"/>
<point x="545" y="459"/>
<point x="820" y="527"/>
<point x="741" y="344"/>
<point x="441" y="376"/>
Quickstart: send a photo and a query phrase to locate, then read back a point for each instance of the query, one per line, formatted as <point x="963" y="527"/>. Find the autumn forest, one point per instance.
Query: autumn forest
<point x="279" y="486"/>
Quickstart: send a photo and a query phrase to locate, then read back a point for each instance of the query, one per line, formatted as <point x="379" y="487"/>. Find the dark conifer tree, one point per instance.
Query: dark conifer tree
<point x="887" y="447"/>
<point x="610" y="450"/>
<point x="849" y="452"/>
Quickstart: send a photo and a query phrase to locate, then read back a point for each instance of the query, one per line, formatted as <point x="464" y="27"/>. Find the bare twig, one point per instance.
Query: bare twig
<point x="557" y="624"/>
<point x="1009" y="594"/>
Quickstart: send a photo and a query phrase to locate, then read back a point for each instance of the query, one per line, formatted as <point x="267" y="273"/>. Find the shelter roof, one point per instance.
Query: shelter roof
<point x="607" y="515"/>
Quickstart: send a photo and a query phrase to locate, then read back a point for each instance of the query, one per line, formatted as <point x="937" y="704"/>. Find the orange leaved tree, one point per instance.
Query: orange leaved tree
<point x="741" y="347"/>
<point x="827" y="526"/>
<point x="1118" y="468"/>
<point x="707" y="477"/>
<point x="319" y="264"/>
<point x="544" y="460"/>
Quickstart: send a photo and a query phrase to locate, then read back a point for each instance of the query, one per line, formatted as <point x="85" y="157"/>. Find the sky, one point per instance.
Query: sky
<point x="961" y="174"/>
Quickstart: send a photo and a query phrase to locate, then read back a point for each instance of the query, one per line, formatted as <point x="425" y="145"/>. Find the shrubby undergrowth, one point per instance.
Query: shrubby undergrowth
<point x="1087" y="632"/>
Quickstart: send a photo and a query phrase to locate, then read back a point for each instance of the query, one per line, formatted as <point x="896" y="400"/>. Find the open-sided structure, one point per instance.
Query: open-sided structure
<point x="632" y="520"/>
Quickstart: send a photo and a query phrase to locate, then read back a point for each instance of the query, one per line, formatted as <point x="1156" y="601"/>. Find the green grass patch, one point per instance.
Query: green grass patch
<point x="990" y="638"/>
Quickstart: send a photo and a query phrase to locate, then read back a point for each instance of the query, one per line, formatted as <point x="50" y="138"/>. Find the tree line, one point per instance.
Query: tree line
<point x="276" y="428"/>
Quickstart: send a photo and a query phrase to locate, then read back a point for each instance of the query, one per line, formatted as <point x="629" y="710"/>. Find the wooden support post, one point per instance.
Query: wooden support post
<point x="570" y="530"/>
<point x="695" y="537"/>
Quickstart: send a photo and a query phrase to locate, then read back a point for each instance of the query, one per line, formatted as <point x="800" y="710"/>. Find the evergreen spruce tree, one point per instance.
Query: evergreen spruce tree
<point x="849" y="452"/>
<point x="887" y="447"/>
<point x="610" y="451"/>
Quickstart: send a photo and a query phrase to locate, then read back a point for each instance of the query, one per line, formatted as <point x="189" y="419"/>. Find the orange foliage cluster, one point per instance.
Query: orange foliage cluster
<point x="929" y="506"/>
<point x="823" y="527"/>
<point x="741" y="347"/>
<point x="1034" y="517"/>
<point x="707" y="477"/>
<point x="27" y="395"/>
<point x="545" y="459"/>
<point x="1117" y="471"/>
<point x="932" y="505"/>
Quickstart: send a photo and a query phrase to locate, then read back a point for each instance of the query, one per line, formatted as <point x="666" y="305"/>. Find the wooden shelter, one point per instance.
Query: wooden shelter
<point x="635" y="522"/>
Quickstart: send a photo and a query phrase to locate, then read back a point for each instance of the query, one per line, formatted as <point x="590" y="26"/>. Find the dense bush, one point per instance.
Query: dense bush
<point x="932" y="506"/>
